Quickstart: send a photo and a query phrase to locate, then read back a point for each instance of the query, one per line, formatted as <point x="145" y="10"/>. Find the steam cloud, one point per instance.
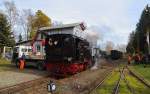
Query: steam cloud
<point x="92" y="36"/>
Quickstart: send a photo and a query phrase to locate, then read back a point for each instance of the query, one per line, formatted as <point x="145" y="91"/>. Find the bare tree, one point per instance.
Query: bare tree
<point x="25" y="20"/>
<point x="12" y="14"/>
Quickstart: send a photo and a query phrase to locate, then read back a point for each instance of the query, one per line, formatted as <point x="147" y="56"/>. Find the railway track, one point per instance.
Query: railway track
<point x="141" y="79"/>
<point x="134" y="75"/>
<point x="30" y="84"/>
<point x="101" y="82"/>
<point x="123" y="72"/>
<point x="127" y="83"/>
<point x="22" y="86"/>
<point x="113" y="65"/>
<point x="123" y="77"/>
<point x="116" y="88"/>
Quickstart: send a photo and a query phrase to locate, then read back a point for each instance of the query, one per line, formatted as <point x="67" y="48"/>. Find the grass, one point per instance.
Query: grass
<point x="123" y="88"/>
<point x="108" y="86"/>
<point x="142" y="71"/>
<point x="4" y="64"/>
<point x="138" y="87"/>
<point x="4" y="61"/>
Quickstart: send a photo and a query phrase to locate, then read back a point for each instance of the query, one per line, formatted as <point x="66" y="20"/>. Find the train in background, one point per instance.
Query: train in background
<point x="115" y="54"/>
<point x="60" y="49"/>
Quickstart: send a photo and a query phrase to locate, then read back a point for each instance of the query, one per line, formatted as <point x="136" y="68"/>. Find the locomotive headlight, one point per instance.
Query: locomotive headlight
<point x="51" y="86"/>
<point x="69" y="59"/>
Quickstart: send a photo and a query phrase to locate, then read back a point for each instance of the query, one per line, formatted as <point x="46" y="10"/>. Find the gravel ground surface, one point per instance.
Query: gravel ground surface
<point x="15" y="76"/>
<point x="79" y="83"/>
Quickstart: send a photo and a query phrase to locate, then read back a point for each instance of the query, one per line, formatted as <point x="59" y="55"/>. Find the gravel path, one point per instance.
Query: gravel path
<point x="15" y="76"/>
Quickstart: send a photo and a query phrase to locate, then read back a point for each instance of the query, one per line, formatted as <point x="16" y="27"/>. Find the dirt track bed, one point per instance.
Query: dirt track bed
<point x="79" y="83"/>
<point x="10" y="75"/>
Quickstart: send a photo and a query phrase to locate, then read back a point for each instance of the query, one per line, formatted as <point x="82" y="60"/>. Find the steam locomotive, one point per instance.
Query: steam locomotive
<point x="67" y="52"/>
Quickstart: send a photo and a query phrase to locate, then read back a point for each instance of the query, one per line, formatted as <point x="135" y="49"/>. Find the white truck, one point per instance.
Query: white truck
<point x="31" y="59"/>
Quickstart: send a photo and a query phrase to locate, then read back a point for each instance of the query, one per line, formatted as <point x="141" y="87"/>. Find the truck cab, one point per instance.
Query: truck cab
<point x="31" y="59"/>
<point x="19" y="50"/>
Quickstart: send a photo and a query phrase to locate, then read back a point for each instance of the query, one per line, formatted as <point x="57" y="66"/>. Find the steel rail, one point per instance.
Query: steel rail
<point x="101" y="82"/>
<point x="116" y="88"/>
<point x="127" y="83"/>
<point x="141" y="79"/>
<point x="23" y="85"/>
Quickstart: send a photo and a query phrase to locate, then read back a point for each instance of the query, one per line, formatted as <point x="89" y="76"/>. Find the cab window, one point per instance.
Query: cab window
<point x="24" y="50"/>
<point x="29" y="50"/>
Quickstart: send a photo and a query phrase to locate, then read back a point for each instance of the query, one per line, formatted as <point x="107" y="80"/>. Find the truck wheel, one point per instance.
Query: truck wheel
<point x="40" y="66"/>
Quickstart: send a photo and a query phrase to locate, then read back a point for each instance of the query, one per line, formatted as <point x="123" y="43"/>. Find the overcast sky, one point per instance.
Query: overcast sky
<point x="114" y="19"/>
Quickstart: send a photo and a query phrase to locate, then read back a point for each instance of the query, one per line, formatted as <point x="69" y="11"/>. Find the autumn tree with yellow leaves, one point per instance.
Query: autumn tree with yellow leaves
<point x="39" y="20"/>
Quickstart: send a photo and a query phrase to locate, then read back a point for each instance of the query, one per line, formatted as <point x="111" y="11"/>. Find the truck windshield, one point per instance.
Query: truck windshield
<point x="24" y="49"/>
<point x="29" y="50"/>
<point x="16" y="50"/>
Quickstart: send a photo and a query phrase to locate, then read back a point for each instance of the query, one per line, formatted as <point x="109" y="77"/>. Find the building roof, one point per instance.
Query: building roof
<point x="43" y="29"/>
<point x="61" y="26"/>
<point x="23" y="42"/>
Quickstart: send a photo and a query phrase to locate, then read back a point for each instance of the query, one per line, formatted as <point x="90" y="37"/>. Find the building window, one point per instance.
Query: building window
<point x="42" y="36"/>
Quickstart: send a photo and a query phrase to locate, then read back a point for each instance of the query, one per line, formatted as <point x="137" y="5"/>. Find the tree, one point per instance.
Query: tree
<point x="12" y="14"/>
<point x="147" y="10"/>
<point x="5" y="32"/>
<point x="40" y="20"/>
<point x="26" y="20"/>
<point x="32" y="34"/>
<point x="20" y="38"/>
<point x="139" y="39"/>
<point x="141" y="30"/>
<point x="130" y="46"/>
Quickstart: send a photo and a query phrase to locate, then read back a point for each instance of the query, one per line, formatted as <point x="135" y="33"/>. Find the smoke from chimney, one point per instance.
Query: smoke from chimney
<point x="92" y="36"/>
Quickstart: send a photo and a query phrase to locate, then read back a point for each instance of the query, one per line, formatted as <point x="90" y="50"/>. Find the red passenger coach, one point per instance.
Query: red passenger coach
<point x="67" y="52"/>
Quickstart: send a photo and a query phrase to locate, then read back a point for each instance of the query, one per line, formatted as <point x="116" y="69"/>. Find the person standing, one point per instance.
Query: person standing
<point x="129" y="59"/>
<point x="22" y="62"/>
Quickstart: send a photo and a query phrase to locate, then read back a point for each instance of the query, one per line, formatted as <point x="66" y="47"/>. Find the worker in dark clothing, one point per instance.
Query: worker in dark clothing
<point x="23" y="56"/>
